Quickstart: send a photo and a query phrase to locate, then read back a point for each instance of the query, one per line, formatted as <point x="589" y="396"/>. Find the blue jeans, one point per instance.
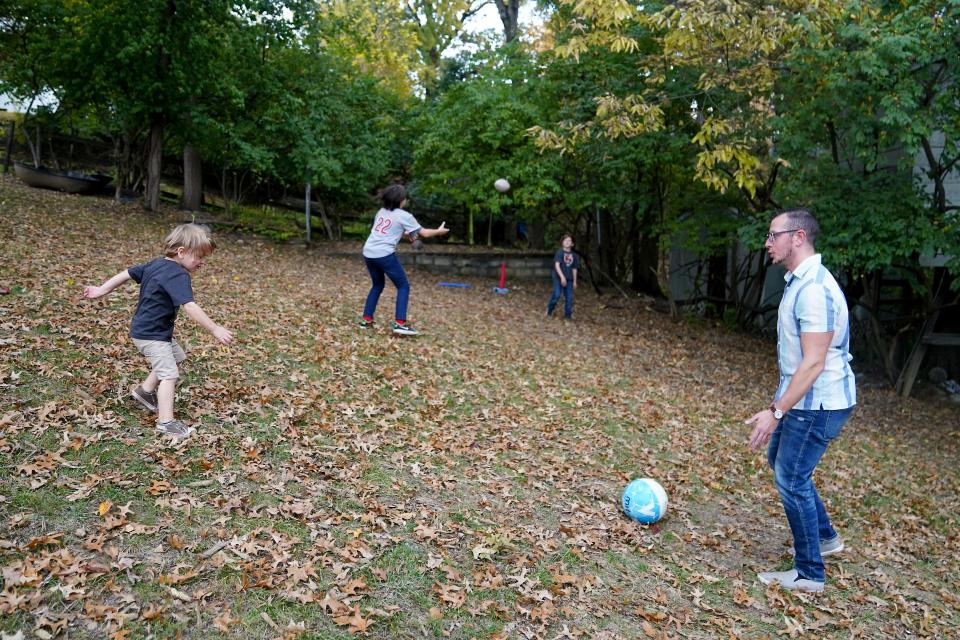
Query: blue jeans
<point x="567" y="292"/>
<point x="796" y="447"/>
<point x="391" y="267"/>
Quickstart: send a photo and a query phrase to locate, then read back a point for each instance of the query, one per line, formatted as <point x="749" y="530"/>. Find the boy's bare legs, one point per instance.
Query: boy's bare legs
<point x="165" y="391"/>
<point x="150" y="383"/>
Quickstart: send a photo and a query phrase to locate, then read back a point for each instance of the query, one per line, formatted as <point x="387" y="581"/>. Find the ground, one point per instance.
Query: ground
<point x="463" y="484"/>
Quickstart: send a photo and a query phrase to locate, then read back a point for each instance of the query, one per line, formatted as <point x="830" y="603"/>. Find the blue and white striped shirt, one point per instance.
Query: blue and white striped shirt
<point x="814" y="303"/>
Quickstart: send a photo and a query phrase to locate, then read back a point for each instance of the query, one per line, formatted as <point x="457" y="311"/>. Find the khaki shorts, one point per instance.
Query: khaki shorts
<point x="163" y="356"/>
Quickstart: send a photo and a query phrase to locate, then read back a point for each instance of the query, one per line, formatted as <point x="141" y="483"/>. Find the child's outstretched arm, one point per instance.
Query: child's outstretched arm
<point x="430" y="233"/>
<point x="193" y="310"/>
<point x="106" y="287"/>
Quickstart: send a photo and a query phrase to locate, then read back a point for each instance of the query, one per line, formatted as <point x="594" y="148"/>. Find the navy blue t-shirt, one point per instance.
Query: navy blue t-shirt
<point x="568" y="262"/>
<point x="164" y="286"/>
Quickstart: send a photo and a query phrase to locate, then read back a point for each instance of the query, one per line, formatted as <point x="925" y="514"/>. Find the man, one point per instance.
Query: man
<point x="816" y="395"/>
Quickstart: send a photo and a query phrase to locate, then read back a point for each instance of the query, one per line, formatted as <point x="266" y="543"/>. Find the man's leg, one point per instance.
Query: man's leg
<point x="568" y="300"/>
<point x="801" y="443"/>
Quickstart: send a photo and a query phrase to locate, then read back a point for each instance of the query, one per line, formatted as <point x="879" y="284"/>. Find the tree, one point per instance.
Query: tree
<point x="474" y="133"/>
<point x="375" y="35"/>
<point x="147" y="65"/>
<point x="437" y="25"/>
<point x="509" y="11"/>
<point x="29" y="33"/>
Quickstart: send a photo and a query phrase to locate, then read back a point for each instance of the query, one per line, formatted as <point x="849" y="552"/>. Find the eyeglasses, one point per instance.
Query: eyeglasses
<point x="772" y="235"/>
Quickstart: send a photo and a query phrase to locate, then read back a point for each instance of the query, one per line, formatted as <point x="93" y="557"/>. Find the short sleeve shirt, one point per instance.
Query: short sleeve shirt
<point x="568" y="261"/>
<point x="814" y="303"/>
<point x="164" y="286"/>
<point x="389" y="225"/>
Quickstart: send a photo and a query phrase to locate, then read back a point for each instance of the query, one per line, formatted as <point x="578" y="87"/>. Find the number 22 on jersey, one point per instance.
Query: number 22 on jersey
<point x="382" y="225"/>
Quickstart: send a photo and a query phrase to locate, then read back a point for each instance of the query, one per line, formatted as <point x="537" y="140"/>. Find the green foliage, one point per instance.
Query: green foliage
<point x="474" y="134"/>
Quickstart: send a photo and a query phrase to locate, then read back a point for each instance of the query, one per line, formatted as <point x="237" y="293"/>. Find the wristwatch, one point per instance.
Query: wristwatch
<point x="777" y="413"/>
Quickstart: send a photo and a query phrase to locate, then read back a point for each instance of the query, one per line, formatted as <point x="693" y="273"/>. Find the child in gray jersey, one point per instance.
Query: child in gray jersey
<point x="380" y="255"/>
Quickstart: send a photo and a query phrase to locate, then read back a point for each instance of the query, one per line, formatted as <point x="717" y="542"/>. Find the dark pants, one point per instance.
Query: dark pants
<point x="567" y="293"/>
<point x="391" y="267"/>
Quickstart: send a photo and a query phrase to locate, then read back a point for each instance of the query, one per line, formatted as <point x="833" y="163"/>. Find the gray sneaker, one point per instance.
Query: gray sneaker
<point x="791" y="581"/>
<point x="147" y="399"/>
<point x="827" y="547"/>
<point x="175" y="429"/>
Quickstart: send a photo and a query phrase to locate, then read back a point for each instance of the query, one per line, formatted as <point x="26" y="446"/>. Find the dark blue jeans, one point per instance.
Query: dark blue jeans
<point x="391" y="267"/>
<point x="796" y="446"/>
<point x="567" y="293"/>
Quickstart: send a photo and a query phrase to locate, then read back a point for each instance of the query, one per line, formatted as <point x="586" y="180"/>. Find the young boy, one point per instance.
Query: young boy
<point x="565" y="266"/>
<point x="164" y="287"/>
<point x="380" y="255"/>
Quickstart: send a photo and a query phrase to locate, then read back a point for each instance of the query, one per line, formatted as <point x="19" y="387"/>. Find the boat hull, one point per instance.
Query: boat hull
<point x="58" y="180"/>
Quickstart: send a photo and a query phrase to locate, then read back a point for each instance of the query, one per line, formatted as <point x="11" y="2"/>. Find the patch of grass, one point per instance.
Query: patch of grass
<point x="250" y="605"/>
<point x="11" y="623"/>
<point x="44" y="503"/>
<point x="407" y="580"/>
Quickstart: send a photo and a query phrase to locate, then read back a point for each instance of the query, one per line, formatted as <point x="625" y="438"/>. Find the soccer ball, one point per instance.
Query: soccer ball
<point x="501" y="185"/>
<point x="644" y="500"/>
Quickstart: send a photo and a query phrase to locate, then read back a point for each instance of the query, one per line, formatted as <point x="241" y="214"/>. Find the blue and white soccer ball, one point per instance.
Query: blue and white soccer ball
<point x="644" y="500"/>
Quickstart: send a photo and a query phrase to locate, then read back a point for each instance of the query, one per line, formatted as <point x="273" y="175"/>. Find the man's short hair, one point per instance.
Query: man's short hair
<point x="193" y="237"/>
<point x="801" y="218"/>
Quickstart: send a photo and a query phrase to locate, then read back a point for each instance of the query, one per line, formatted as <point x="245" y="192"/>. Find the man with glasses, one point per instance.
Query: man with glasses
<point x="815" y="397"/>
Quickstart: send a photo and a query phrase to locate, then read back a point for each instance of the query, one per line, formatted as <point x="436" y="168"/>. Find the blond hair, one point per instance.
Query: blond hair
<point x="195" y="238"/>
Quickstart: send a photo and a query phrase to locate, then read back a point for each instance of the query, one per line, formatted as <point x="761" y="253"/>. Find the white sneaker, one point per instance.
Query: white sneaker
<point x="791" y="581"/>
<point x="827" y="547"/>
<point x="175" y="429"/>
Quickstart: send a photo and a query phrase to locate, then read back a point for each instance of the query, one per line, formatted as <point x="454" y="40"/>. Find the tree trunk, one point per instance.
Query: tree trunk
<point x="192" y="198"/>
<point x="6" y="157"/>
<point x="151" y="198"/>
<point x="509" y="15"/>
<point x="307" y="213"/>
<point x="325" y="219"/>
<point x="34" y="146"/>
<point x="647" y="265"/>
<point x="717" y="282"/>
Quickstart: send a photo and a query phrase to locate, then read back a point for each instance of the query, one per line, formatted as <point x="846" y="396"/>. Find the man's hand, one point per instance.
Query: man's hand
<point x="563" y="281"/>
<point x="92" y="292"/>
<point x="223" y="335"/>
<point x="764" y="426"/>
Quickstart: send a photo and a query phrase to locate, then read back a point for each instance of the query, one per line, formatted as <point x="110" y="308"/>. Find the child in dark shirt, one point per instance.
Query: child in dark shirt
<point x="164" y="287"/>
<point x="566" y="263"/>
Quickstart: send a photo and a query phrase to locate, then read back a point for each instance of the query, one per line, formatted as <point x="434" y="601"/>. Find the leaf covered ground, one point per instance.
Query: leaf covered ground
<point x="462" y="484"/>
